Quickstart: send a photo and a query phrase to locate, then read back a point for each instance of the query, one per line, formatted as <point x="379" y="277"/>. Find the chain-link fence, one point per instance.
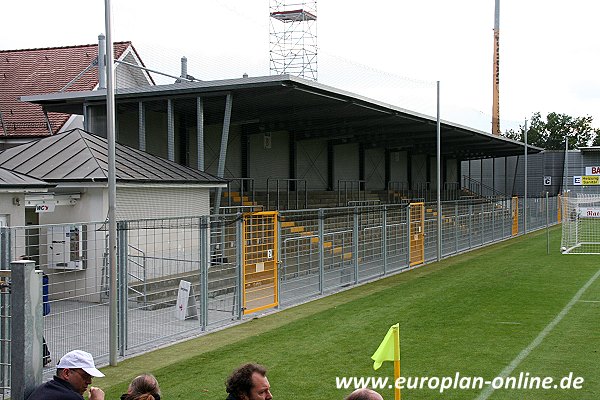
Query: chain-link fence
<point x="318" y="252"/>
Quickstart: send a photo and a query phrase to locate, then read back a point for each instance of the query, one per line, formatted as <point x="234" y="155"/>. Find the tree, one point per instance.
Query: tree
<point x="550" y="133"/>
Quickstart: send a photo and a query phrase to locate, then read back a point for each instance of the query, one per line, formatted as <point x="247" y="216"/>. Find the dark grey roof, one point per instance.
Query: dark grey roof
<point x="14" y="180"/>
<point x="79" y="156"/>
<point x="309" y="110"/>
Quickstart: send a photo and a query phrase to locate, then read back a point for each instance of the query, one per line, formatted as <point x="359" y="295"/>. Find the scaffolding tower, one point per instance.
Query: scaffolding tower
<point x="293" y="38"/>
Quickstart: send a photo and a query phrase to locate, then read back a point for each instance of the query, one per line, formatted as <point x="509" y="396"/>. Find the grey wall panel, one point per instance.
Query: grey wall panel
<point x="433" y="172"/>
<point x="375" y="168"/>
<point x="311" y="163"/>
<point x="418" y="168"/>
<point x="268" y="162"/>
<point x="212" y="148"/>
<point x="398" y="166"/>
<point x="452" y="170"/>
<point x="345" y="163"/>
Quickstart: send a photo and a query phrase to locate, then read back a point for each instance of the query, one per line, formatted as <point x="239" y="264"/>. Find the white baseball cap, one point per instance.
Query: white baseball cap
<point x="80" y="359"/>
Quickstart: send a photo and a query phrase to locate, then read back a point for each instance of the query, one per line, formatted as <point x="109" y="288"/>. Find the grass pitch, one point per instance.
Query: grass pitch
<point x="472" y="314"/>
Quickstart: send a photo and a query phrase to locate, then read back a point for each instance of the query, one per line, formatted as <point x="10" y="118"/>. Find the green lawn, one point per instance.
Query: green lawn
<point x="472" y="314"/>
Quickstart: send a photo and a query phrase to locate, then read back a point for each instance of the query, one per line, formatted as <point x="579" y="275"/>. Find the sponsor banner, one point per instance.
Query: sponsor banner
<point x="592" y="170"/>
<point x="589" y="212"/>
<point x="586" y="180"/>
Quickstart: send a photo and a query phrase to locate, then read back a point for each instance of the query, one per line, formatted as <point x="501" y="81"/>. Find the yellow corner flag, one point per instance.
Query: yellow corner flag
<point x="389" y="350"/>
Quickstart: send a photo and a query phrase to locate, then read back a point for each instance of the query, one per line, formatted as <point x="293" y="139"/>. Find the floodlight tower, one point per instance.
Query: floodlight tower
<point x="293" y="38"/>
<point x="496" y="77"/>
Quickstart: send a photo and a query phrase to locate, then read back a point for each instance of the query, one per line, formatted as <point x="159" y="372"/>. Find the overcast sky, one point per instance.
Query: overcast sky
<point x="391" y="50"/>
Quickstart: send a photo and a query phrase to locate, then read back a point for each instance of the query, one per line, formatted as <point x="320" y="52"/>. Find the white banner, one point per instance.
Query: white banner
<point x="592" y="170"/>
<point x="589" y="212"/>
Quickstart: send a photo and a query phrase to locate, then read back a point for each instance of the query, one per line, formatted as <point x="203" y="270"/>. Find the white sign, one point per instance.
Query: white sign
<point x="186" y="302"/>
<point x="577" y="180"/>
<point x="589" y="212"/>
<point x="592" y="170"/>
<point x="547" y="181"/>
<point x="44" y="208"/>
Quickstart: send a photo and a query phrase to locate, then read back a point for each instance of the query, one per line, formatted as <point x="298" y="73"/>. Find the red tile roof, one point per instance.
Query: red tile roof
<point x="38" y="71"/>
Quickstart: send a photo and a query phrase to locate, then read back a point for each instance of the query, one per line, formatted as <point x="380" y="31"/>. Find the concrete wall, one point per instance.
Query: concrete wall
<point x="345" y="163"/>
<point x="273" y="162"/>
<point x="398" y="166"/>
<point x="311" y="163"/>
<point x="375" y="168"/>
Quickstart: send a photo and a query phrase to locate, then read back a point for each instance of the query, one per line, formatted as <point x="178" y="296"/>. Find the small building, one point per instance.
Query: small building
<point x="72" y="232"/>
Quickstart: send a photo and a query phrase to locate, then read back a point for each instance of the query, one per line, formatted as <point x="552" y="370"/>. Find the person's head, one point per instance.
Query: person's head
<point x="249" y="382"/>
<point x="364" y="394"/>
<point x="77" y="367"/>
<point x="143" y="387"/>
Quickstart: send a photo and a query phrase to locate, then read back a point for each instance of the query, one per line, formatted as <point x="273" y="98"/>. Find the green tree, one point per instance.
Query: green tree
<point x="549" y="133"/>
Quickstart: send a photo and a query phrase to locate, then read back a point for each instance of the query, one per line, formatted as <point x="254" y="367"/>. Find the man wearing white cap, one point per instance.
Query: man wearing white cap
<point x="74" y="374"/>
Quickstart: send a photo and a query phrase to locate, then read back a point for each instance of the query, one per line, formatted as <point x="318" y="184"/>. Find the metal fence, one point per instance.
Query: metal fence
<point x="319" y="251"/>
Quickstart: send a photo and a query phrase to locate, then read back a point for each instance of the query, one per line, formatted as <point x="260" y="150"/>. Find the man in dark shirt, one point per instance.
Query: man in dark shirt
<point x="249" y="382"/>
<point x="74" y="374"/>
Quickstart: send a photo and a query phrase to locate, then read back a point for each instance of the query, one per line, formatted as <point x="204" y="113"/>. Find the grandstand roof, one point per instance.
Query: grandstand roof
<point x="310" y="110"/>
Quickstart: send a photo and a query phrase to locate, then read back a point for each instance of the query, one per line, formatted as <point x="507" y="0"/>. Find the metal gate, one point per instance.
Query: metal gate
<point x="515" y="216"/>
<point x="417" y="233"/>
<point x="259" y="261"/>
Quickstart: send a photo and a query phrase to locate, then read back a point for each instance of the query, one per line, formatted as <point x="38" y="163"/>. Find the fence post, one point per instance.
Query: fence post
<point x="456" y="227"/>
<point x="5" y="247"/>
<point x="321" y="217"/>
<point x="493" y="221"/>
<point x="122" y="283"/>
<point x="239" y="263"/>
<point x="470" y="226"/>
<point x="408" y="236"/>
<point x="355" y="233"/>
<point x="204" y="224"/>
<point x="384" y="238"/>
<point x="27" y="327"/>
<point x="481" y="225"/>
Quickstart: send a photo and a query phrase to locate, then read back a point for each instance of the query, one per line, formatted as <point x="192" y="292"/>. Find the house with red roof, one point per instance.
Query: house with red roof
<point x="57" y="69"/>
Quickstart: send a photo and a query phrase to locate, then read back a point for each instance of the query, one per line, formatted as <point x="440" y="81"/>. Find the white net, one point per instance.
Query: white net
<point x="581" y="224"/>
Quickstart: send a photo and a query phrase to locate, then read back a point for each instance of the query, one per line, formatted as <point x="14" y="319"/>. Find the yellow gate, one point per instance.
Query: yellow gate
<point x="515" y="216"/>
<point x="417" y="233"/>
<point x="259" y="261"/>
<point x="559" y="208"/>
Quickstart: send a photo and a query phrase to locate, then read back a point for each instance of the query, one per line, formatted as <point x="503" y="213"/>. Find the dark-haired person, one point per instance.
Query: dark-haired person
<point x="248" y="382"/>
<point x="364" y="394"/>
<point x="143" y="387"/>
<point x="74" y="374"/>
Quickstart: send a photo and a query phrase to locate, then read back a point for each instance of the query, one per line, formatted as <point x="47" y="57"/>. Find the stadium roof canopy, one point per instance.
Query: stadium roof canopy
<point x="308" y="110"/>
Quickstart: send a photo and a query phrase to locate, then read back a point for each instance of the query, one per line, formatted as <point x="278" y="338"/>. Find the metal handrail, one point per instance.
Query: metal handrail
<point x="289" y="185"/>
<point x="359" y="185"/>
<point x="244" y="182"/>
<point x="477" y="187"/>
<point x="142" y="265"/>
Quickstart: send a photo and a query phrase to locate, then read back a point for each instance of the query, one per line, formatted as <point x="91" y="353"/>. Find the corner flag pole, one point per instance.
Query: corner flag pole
<point x="396" y="328"/>
<point x="389" y="350"/>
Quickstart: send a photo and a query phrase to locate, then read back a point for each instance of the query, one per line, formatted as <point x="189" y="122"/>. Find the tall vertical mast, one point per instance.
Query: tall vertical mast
<point x="496" y="73"/>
